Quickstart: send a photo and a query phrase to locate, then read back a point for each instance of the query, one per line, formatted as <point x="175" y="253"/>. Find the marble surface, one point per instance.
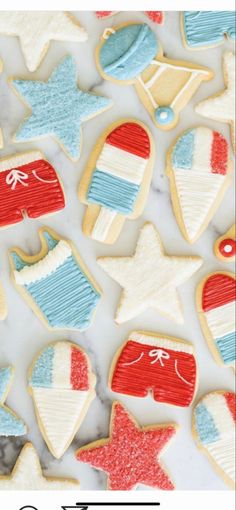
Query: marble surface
<point x="22" y="335"/>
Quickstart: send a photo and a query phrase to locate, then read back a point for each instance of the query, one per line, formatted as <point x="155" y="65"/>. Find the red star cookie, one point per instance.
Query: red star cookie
<point x="130" y="455"/>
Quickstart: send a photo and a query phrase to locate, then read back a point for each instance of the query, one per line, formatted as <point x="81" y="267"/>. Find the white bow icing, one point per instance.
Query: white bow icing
<point x="159" y="355"/>
<point x="16" y="176"/>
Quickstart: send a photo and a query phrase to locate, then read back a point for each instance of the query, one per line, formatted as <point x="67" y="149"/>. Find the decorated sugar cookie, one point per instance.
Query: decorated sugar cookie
<point x="166" y="366"/>
<point x="55" y="283"/>
<point x="130" y="54"/>
<point x="130" y="456"/>
<point x="116" y="179"/>
<point x="1" y="138"/>
<point x="221" y="106"/>
<point x="28" y="185"/>
<point x="58" y="108"/>
<point x="3" y="304"/>
<point x="204" y="29"/>
<point x="216" y="296"/>
<point x="199" y="167"/>
<point x="214" y="431"/>
<point x="36" y="29"/>
<point x="225" y="246"/>
<point x="62" y="386"/>
<point x="150" y="278"/>
<point x="10" y="423"/>
<point x="155" y="16"/>
<point x="27" y="475"/>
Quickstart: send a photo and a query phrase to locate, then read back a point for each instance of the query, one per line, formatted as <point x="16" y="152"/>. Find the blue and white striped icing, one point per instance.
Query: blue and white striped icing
<point x="58" y="286"/>
<point x="207" y="28"/>
<point x="10" y="424"/>
<point x="112" y="192"/>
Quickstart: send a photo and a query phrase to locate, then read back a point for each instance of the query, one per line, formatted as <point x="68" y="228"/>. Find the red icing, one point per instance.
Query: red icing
<point x="79" y="370"/>
<point x="130" y="456"/>
<point x="231" y="403"/>
<point x="219" y="289"/>
<point x="131" y="137"/>
<point x="103" y="14"/>
<point x="227" y="242"/>
<point x="160" y="376"/>
<point x="155" y="16"/>
<point x="29" y="193"/>
<point x="219" y="154"/>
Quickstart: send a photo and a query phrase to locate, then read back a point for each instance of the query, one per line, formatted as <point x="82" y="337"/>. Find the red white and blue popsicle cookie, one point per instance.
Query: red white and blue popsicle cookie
<point x="214" y="431"/>
<point x="62" y="387"/>
<point x="216" y="296"/>
<point x="199" y="167"/>
<point x="117" y="178"/>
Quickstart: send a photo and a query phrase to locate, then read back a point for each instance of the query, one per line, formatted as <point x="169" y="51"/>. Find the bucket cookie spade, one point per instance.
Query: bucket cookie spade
<point x="130" y="54"/>
<point x="116" y="181"/>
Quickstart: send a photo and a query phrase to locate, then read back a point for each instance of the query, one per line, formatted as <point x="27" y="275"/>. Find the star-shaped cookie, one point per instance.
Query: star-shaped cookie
<point x="10" y="423"/>
<point x="149" y="279"/>
<point x="27" y="475"/>
<point x="221" y="107"/>
<point x="131" y="455"/>
<point x="58" y="108"/>
<point x="36" y="29"/>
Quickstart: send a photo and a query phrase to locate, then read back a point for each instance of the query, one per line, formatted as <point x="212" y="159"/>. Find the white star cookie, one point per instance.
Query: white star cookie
<point x="27" y="475"/>
<point x="37" y="29"/>
<point x="149" y="279"/>
<point x="221" y="107"/>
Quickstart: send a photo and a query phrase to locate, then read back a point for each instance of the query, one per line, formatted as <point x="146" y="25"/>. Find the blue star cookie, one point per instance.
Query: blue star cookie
<point x="58" y="108"/>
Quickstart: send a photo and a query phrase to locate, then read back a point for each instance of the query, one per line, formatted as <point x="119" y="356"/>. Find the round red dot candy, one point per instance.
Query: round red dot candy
<point x="227" y="247"/>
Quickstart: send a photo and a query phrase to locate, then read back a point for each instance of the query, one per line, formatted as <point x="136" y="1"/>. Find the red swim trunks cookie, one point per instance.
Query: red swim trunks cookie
<point x="28" y="184"/>
<point x="164" y="365"/>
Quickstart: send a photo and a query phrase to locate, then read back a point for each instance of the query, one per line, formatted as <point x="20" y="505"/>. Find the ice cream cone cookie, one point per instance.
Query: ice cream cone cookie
<point x="27" y="475"/>
<point x="204" y="29"/>
<point x="149" y="278"/>
<point x="216" y="296"/>
<point x="58" y="108"/>
<point x="130" y="456"/>
<point x="130" y="54"/>
<point x="149" y="362"/>
<point x="3" y="304"/>
<point x="36" y="29"/>
<point x="117" y="178"/>
<point x="10" y="423"/>
<point x="155" y="16"/>
<point x="221" y="107"/>
<point x="214" y="432"/>
<point x="56" y="283"/>
<point x="61" y="384"/>
<point x="28" y="185"/>
<point x="199" y="168"/>
<point x="1" y="138"/>
<point x="225" y="246"/>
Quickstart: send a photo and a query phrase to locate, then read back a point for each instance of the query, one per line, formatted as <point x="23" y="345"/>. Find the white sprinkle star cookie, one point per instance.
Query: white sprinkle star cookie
<point x="36" y="29"/>
<point x="221" y="107"/>
<point x="150" y="278"/>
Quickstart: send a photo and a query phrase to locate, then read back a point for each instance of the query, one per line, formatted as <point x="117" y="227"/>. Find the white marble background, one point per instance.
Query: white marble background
<point x="22" y="335"/>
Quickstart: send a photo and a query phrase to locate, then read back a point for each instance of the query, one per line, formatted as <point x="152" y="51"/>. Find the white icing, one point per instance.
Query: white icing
<point x="223" y="453"/>
<point x="166" y="343"/>
<point x="184" y="88"/>
<point x="35" y="31"/>
<point x="59" y="412"/>
<point x="43" y="180"/>
<point x="221" y="320"/>
<point x="121" y="164"/>
<point x="179" y="375"/>
<point x="27" y="475"/>
<point x="203" y="138"/>
<point x="61" y="366"/>
<point x="103" y="224"/>
<point x="150" y="278"/>
<point x="197" y="192"/>
<point x="19" y="160"/>
<point x="43" y="268"/>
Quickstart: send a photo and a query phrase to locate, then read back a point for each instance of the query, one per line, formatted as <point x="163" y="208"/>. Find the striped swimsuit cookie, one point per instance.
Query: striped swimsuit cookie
<point x="214" y="431"/>
<point x="62" y="387"/>
<point x="216" y="297"/>
<point x="117" y="179"/>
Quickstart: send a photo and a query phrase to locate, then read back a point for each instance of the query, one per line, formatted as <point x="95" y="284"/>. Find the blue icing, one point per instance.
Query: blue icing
<point x="41" y="376"/>
<point x="205" y="425"/>
<point x="164" y="115"/>
<point x="58" y="107"/>
<point x="5" y="378"/>
<point x="204" y="28"/>
<point x="226" y="346"/>
<point x="19" y="263"/>
<point x="51" y="242"/>
<point x="127" y="52"/>
<point x="182" y="154"/>
<point x="10" y="425"/>
<point x="112" y="192"/>
<point x="66" y="297"/>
